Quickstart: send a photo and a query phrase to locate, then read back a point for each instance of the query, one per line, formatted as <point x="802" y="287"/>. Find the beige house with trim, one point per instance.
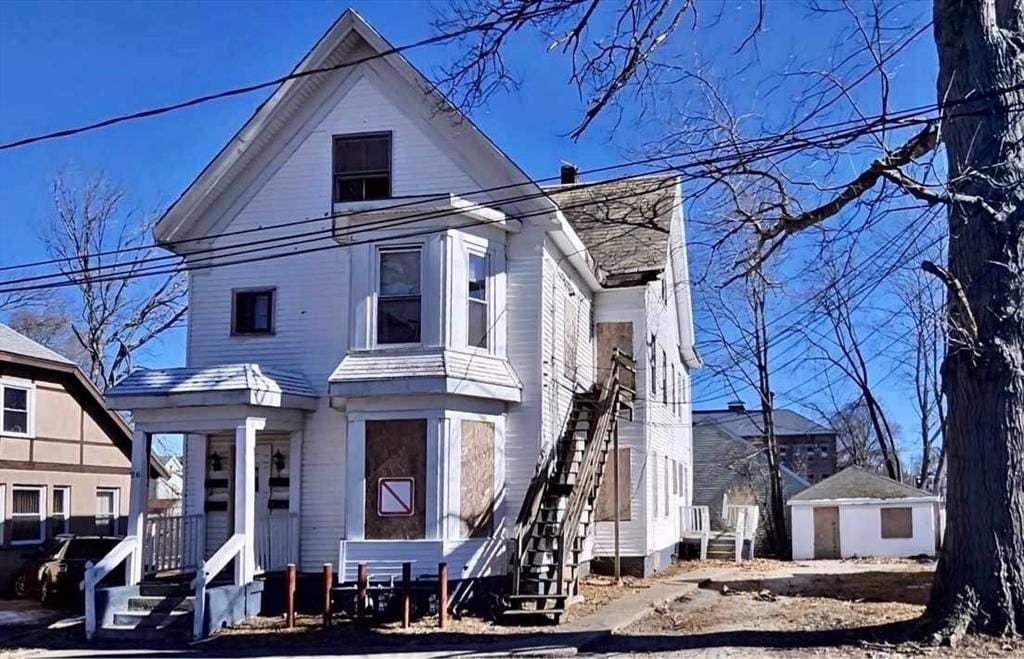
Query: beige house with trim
<point x="64" y="456"/>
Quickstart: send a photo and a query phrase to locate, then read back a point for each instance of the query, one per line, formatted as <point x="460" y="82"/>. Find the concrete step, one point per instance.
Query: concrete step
<point x="152" y="619"/>
<point x="152" y="603"/>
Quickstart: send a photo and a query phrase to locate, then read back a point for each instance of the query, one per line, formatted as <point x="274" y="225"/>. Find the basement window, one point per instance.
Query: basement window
<point x="253" y="311"/>
<point x="362" y="167"/>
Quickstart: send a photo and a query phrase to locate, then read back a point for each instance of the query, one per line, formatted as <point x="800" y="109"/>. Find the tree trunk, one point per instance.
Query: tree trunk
<point x="980" y="579"/>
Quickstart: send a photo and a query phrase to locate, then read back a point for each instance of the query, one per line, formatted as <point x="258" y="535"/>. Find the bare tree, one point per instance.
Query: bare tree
<point x="855" y="436"/>
<point x="111" y="320"/>
<point x="980" y="581"/>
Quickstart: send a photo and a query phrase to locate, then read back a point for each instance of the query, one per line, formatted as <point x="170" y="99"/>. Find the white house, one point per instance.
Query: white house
<point x="396" y="338"/>
<point x="860" y="513"/>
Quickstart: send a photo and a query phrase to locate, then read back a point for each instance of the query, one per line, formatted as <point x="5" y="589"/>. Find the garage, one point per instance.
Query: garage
<point x="858" y="513"/>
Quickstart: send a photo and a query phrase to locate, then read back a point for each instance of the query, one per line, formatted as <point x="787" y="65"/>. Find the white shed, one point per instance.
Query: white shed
<point x="859" y="513"/>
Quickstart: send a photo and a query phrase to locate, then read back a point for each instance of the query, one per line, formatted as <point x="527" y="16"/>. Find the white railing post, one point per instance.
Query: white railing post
<point x="245" y="496"/>
<point x="90" y="602"/>
<point x="199" y="603"/>
<point x="138" y="503"/>
<point x="127" y="548"/>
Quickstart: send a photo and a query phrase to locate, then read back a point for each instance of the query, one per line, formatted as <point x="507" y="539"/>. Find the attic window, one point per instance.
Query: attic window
<point x="362" y="167"/>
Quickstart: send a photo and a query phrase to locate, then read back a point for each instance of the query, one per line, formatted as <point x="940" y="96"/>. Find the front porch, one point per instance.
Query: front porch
<point x="243" y="430"/>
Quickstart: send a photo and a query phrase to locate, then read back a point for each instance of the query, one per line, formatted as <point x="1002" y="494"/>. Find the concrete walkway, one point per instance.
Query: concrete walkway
<point x="623" y="612"/>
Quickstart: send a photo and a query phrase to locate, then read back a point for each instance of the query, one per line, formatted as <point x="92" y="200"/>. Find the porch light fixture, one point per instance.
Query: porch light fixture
<point x="216" y="462"/>
<point x="279" y="461"/>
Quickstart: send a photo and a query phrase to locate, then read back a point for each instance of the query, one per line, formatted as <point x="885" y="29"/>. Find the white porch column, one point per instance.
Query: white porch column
<point x="245" y="496"/>
<point x="138" y="502"/>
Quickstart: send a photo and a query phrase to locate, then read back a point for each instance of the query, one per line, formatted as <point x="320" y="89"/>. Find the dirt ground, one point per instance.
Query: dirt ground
<point x="770" y="607"/>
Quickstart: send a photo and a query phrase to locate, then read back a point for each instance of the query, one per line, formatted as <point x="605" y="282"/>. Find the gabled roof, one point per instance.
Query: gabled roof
<point x="17" y="348"/>
<point x="858" y="483"/>
<point x="335" y="48"/>
<point x="748" y="423"/>
<point x="625" y="224"/>
<point x="16" y="343"/>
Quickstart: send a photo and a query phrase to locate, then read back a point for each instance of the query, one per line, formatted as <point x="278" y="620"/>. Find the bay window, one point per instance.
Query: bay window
<point x="399" y="301"/>
<point x="477" y="335"/>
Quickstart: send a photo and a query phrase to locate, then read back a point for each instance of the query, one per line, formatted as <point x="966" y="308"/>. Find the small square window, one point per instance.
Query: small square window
<point x="897" y="523"/>
<point x="254" y="312"/>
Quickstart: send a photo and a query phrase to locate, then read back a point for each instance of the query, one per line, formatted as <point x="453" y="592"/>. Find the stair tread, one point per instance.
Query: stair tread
<point x="534" y="612"/>
<point x="537" y="596"/>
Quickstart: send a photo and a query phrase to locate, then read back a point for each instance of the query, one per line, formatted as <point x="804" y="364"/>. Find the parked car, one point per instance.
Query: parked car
<point x="53" y="572"/>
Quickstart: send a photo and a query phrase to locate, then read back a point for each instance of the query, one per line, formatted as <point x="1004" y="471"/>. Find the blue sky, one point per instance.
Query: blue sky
<point x="68" y="63"/>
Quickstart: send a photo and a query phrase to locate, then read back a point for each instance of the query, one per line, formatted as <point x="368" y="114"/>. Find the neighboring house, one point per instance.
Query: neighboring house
<point x="388" y="395"/>
<point x="64" y="457"/>
<point x="165" y="492"/>
<point x="806" y="447"/>
<point x="734" y="471"/>
<point x="860" y="513"/>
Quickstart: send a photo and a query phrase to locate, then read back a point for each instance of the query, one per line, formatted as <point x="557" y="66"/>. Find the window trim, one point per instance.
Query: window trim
<point x="487" y="301"/>
<point x="41" y="515"/>
<point x="391" y="164"/>
<point x="273" y="310"/>
<point x="30" y="406"/>
<point x="65" y="515"/>
<point x="116" y="513"/>
<point x="375" y="319"/>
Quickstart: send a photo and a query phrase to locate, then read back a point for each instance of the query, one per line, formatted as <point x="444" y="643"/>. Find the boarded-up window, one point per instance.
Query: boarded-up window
<point x="606" y="495"/>
<point x="897" y="523"/>
<point x="396" y="449"/>
<point x="612" y="336"/>
<point x="476" y="507"/>
<point x="571" y="336"/>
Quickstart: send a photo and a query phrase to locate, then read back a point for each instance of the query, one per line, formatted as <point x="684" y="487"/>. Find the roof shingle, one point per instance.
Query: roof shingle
<point x="859" y="483"/>
<point x="17" y="343"/>
<point x="625" y="224"/>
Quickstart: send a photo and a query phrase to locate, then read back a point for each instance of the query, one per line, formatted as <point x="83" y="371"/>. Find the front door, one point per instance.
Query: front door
<point x="826" y="532"/>
<point x="274" y="529"/>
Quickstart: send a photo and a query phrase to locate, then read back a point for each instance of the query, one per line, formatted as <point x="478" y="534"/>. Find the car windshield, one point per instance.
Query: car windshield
<point x="90" y="548"/>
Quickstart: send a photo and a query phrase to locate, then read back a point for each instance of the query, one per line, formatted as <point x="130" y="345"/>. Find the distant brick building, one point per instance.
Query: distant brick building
<point x="806" y="447"/>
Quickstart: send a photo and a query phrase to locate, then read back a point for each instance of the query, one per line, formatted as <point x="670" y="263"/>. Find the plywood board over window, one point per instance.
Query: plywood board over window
<point x="606" y="495"/>
<point x="396" y="448"/>
<point x="897" y="523"/>
<point x="609" y="337"/>
<point x="476" y="500"/>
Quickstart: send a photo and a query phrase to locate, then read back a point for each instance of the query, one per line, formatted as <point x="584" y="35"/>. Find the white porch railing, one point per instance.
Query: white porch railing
<point x="95" y="573"/>
<point x="208" y="571"/>
<point x="743" y="520"/>
<point x="466" y="558"/>
<point x="695" y="523"/>
<point x="174" y="543"/>
<point x="276" y="542"/>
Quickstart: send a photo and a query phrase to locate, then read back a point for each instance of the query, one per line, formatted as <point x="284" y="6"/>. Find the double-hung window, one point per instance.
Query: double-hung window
<point x="60" y="510"/>
<point x="106" y="510"/>
<point x="28" y="513"/>
<point x="399" y="296"/>
<point x="362" y="167"/>
<point x="478" y="317"/>
<point x="16" y="410"/>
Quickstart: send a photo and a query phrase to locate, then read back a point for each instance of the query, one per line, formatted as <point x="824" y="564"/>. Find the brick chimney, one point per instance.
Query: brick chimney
<point x="569" y="173"/>
<point x="737" y="406"/>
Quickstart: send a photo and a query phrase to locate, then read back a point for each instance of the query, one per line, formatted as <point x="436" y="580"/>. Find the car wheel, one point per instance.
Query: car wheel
<point x="45" y="591"/>
<point x="21" y="586"/>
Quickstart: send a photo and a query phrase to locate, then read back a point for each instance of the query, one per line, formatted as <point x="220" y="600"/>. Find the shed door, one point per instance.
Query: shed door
<point x="826" y="532"/>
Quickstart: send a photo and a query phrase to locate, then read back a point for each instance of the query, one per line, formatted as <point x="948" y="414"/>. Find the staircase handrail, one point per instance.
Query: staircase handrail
<point x="95" y="573"/>
<point x="208" y="571"/>
<point x="607" y="408"/>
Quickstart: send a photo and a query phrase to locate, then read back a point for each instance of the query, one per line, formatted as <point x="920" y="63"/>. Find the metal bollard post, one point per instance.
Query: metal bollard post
<point x="327" y="584"/>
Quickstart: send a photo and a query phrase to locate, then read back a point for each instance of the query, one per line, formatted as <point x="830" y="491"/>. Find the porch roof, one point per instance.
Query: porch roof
<point x="224" y="384"/>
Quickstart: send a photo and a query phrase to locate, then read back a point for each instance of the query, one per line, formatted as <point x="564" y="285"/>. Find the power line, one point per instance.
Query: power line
<point x="247" y="89"/>
<point x="390" y="222"/>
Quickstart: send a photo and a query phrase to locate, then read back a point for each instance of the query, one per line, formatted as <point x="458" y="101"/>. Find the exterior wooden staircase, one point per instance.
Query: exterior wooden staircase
<point x="557" y="513"/>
